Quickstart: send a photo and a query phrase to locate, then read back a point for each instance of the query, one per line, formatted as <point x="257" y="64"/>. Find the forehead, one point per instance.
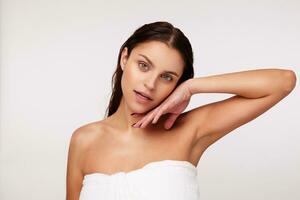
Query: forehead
<point x="161" y="55"/>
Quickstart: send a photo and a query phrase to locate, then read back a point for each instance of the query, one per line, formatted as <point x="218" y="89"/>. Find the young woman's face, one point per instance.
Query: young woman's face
<point x="152" y="68"/>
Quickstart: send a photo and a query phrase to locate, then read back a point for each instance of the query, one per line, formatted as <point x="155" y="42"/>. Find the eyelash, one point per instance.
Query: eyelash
<point x="147" y="65"/>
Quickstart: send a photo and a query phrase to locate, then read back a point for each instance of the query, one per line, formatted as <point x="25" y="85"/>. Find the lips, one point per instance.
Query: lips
<point x="144" y="95"/>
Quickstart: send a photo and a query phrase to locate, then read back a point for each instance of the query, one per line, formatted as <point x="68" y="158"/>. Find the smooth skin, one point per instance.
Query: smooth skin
<point x="113" y="144"/>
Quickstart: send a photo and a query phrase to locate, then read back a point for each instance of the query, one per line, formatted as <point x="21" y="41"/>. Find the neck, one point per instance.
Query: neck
<point x="123" y="118"/>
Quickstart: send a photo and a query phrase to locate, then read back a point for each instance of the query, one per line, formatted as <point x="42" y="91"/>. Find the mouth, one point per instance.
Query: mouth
<point x="143" y="96"/>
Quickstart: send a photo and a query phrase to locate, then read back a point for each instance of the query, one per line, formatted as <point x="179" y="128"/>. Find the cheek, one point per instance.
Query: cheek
<point x="130" y="75"/>
<point x="163" y="93"/>
<point x="130" y="79"/>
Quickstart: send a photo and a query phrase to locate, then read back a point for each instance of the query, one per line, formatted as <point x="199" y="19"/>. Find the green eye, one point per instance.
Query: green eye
<point x="170" y="78"/>
<point x="142" y="64"/>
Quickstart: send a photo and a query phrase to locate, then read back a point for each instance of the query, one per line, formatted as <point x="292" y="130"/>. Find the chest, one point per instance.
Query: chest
<point x="112" y="152"/>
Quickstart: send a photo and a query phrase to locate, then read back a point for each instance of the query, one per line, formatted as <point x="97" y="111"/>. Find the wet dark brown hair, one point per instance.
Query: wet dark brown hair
<point x="157" y="31"/>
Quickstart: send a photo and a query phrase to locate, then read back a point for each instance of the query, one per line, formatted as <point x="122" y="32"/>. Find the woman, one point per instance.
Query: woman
<point x="146" y="147"/>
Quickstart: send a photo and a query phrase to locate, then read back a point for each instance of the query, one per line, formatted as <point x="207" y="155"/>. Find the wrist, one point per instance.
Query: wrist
<point x="189" y="86"/>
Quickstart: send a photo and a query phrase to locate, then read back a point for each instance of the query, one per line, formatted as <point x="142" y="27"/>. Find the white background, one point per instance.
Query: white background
<point x="57" y="60"/>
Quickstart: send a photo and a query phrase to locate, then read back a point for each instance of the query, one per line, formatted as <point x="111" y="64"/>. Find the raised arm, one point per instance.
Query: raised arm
<point x="255" y="91"/>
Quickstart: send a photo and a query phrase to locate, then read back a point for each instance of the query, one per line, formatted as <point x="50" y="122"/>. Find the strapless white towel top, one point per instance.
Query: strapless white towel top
<point x="158" y="180"/>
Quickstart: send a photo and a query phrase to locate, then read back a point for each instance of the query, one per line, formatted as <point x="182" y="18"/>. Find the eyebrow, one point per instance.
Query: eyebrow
<point x="171" y="72"/>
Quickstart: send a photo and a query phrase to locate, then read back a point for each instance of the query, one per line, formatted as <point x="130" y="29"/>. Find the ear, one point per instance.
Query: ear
<point x="124" y="58"/>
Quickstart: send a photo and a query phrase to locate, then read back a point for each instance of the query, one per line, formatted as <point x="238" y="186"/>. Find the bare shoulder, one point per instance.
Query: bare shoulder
<point x="83" y="136"/>
<point x="79" y="142"/>
<point x="85" y="133"/>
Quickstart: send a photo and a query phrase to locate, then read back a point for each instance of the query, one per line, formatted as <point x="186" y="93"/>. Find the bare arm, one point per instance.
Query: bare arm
<point x="250" y="84"/>
<point x="255" y="92"/>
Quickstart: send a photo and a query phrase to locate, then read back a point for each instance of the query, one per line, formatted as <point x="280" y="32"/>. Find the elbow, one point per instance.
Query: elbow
<point x="289" y="80"/>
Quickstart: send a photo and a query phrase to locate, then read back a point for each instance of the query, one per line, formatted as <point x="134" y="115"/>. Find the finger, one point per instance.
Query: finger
<point x="160" y="112"/>
<point x="137" y="124"/>
<point x="147" y="120"/>
<point x="170" y="121"/>
<point x="155" y="114"/>
<point x="140" y="122"/>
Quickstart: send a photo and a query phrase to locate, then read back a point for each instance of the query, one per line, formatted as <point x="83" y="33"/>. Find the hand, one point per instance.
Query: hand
<point x="174" y="104"/>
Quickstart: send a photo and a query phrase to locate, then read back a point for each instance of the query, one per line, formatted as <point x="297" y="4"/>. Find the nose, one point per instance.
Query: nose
<point x="150" y="83"/>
